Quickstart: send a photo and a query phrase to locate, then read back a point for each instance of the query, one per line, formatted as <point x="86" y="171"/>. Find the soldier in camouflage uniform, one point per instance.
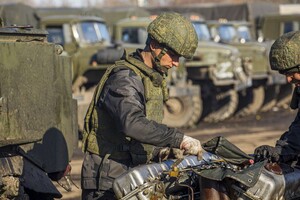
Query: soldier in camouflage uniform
<point x="285" y="58"/>
<point x="123" y="123"/>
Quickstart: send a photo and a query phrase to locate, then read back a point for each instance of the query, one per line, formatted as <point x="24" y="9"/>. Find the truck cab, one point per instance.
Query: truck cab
<point x="266" y="83"/>
<point x="81" y="37"/>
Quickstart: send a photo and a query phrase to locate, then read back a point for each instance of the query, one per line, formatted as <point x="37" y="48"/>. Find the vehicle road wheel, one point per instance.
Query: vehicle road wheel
<point x="227" y="104"/>
<point x="250" y="100"/>
<point x="182" y="112"/>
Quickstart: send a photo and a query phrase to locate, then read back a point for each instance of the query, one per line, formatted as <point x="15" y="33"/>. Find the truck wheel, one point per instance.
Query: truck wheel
<point x="182" y="112"/>
<point x="227" y="105"/>
<point x="250" y="100"/>
<point x="285" y="95"/>
<point x="270" y="100"/>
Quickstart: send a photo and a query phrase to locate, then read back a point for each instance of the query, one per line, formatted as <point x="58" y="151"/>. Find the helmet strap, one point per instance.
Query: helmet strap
<point x="156" y="61"/>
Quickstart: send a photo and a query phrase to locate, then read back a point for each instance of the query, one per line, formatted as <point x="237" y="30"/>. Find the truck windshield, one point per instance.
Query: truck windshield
<point x="202" y="31"/>
<point x="93" y="32"/>
<point x="227" y="33"/>
<point x="244" y="33"/>
<point x="56" y="35"/>
<point x="134" y="35"/>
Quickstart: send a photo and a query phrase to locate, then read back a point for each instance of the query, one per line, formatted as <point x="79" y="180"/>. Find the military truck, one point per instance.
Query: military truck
<point x="38" y="122"/>
<point x="269" y="28"/>
<point x="184" y="107"/>
<point x="220" y="71"/>
<point x="266" y="83"/>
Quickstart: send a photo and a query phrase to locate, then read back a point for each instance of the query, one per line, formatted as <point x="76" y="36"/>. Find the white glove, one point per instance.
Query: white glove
<point x="191" y="146"/>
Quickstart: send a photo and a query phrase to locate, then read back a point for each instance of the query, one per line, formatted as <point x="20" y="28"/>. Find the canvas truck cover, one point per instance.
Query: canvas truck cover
<point x="18" y="14"/>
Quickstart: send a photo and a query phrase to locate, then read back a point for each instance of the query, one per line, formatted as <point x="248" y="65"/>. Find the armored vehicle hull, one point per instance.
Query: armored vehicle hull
<point x="38" y="128"/>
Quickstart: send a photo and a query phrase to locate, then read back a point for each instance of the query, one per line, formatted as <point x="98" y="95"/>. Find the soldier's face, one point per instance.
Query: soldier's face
<point x="170" y="59"/>
<point x="293" y="78"/>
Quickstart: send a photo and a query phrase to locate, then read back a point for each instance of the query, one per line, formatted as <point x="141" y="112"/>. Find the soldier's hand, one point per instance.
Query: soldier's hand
<point x="160" y="154"/>
<point x="164" y="154"/>
<point x="266" y="152"/>
<point x="191" y="146"/>
<point x="177" y="153"/>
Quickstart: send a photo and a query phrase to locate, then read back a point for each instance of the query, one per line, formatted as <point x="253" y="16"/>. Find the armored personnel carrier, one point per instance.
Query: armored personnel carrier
<point x="38" y="124"/>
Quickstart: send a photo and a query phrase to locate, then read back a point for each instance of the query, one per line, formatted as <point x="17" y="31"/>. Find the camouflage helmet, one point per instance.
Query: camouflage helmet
<point x="175" y="32"/>
<point x="285" y="53"/>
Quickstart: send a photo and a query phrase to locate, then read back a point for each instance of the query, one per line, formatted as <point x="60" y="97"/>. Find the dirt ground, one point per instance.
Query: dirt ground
<point x="246" y="133"/>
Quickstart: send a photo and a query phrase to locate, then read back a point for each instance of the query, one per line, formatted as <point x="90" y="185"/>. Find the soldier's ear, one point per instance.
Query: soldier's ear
<point x="154" y="45"/>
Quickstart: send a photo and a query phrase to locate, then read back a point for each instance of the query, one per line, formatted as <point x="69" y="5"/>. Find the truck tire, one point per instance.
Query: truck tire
<point x="271" y="93"/>
<point x="250" y="100"/>
<point x="227" y="105"/>
<point x="182" y="112"/>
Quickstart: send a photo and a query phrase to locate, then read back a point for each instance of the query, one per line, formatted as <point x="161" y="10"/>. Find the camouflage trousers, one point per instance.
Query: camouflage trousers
<point x="98" y="174"/>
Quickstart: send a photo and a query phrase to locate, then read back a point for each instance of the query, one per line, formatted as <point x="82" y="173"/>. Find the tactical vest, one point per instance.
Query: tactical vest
<point x="100" y="135"/>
